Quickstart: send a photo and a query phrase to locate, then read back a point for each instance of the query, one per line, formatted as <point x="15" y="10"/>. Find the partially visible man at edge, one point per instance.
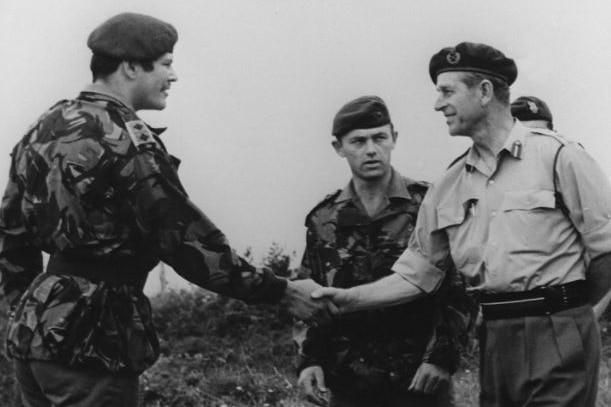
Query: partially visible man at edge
<point x="396" y="356"/>
<point x="495" y="213"/>
<point x="532" y="112"/>
<point x="92" y="185"/>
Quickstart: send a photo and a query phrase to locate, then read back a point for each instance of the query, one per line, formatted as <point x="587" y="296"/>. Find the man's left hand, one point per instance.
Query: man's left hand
<point x="429" y="378"/>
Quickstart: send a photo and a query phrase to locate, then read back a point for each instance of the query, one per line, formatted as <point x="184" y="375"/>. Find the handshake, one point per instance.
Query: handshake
<point x="311" y="302"/>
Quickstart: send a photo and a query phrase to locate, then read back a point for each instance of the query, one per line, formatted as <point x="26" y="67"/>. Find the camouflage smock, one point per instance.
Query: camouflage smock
<point x="368" y="352"/>
<point x="90" y="183"/>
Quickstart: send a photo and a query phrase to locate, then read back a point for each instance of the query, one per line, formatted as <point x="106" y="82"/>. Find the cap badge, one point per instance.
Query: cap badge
<point x="453" y="57"/>
<point x="533" y="107"/>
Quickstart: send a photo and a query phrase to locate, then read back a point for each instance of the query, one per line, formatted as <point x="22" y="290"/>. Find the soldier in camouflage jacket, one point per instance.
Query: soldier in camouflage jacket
<point x="92" y="185"/>
<point x="371" y="358"/>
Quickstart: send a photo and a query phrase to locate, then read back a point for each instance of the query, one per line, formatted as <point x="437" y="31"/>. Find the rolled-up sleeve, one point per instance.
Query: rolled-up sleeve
<point x="418" y="271"/>
<point x="427" y="258"/>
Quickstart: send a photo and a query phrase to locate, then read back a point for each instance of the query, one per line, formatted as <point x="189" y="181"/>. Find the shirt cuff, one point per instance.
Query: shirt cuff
<point x="418" y="271"/>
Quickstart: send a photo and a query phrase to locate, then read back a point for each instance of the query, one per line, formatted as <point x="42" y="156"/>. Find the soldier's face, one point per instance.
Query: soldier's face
<point x="152" y="86"/>
<point x="367" y="151"/>
<point x="459" y="104"/>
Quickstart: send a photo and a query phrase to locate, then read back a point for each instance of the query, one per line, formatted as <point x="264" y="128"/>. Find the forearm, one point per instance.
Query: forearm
<point x="598" y="277"/>
<point x="186" y="239"/>
<point x="386" y="292"/>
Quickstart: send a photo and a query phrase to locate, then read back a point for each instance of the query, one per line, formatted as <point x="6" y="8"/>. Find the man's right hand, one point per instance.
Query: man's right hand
<point x="312" y="380"/>
<point x="342" y="298"/>
<point x="297" y="299"/>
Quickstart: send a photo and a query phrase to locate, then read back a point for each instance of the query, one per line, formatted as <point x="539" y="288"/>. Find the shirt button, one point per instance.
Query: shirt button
<point x="493" y="214"/>
<point x="490" y="182"/>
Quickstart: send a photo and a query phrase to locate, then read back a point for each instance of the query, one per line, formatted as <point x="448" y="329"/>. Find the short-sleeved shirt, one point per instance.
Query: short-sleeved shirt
<point x="92" y="184"/>
<point x="502" y="226"/>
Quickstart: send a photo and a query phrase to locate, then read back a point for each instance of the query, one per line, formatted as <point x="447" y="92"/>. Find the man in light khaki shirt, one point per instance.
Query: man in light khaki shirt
<point x="520" y="214"/>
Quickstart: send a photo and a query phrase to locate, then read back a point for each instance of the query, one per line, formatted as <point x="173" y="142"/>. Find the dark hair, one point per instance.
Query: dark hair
<point x="501" y="88"/>
<point x="102" y="66"/>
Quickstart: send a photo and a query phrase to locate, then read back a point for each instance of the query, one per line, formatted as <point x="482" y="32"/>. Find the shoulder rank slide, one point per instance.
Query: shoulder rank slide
<point x="139" y="133"/>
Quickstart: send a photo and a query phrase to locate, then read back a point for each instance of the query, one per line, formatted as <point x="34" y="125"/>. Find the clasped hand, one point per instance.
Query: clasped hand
<point x="299" y="301"/>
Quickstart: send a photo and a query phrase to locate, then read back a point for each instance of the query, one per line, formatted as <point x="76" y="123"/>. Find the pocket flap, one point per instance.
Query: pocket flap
<point x="451" y="214"/>
<point x="529" y="199"/>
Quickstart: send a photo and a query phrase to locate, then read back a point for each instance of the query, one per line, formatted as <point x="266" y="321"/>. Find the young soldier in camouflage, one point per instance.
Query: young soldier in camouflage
<point x="395" y="356"/>
<point x="92" y="185"/>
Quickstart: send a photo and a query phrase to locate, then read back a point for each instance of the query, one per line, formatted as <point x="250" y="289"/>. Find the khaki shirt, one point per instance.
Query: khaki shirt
<point x="502" y="227"/>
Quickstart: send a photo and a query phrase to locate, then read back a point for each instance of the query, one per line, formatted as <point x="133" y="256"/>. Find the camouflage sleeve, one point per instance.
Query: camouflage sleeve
<point x="184" y="237"/>
<point x="311" y="340"/>
<point x="455" y="315"/>
<point x="20" y="260"/>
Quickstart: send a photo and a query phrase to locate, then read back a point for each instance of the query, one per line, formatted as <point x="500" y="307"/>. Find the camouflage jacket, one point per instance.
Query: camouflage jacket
<point x="379" y="349"/>
<point x="92" y="184"/>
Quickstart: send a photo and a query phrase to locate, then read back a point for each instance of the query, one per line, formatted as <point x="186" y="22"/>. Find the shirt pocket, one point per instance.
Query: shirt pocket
<point x="529" y="200"/>
<point x="453" y="213"/>
<point x="529" y="219"/>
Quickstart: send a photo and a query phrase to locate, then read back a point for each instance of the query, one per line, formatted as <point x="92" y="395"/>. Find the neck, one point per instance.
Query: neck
<point x="492" y="134"/>
<point x="368" y="190"/>
<point x="112" y="88"/>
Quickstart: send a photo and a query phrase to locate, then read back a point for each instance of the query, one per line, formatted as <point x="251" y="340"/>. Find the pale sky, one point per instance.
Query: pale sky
<point x="260" y="81"/>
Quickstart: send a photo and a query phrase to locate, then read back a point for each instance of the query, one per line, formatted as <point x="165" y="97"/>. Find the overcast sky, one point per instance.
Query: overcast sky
<point x="260" y="81"/>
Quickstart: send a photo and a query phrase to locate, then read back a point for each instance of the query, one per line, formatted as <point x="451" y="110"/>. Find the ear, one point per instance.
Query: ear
<point x="395" y="135"/>
<point x="129" y="69"/>
<point x="487" y="92"/>
<point x="337" y="145"/>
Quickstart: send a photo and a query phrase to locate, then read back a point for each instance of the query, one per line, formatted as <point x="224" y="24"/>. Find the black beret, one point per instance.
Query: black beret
<point x="365" y="112"/>
<point x="133" y="37"/>
<point x="530" y="108"/>
<point x="472" y="57"/>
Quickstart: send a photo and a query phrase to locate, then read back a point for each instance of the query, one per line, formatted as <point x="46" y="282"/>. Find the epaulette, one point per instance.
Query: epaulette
<point x="551" y="133"/>
<point x="329" y="198"/>
<point x="139" y="133"/>
<point x="457" y="159"/>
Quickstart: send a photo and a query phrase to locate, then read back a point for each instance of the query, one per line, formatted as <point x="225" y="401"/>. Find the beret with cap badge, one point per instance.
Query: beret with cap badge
<point x="473" y="57"/>
<point x="365" y="112"/>
<point x="530" y="108"/>
<point x="132" y="37"/>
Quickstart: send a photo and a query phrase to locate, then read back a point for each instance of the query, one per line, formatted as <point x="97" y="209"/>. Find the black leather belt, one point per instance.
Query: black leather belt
<point x="539" y="301"/>
<point x="123" y="271"/>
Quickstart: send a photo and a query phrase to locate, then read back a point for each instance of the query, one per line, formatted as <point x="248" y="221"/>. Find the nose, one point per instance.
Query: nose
<point x="370" y="148"/>
<point x="172" y="77"/>
<point x="439" y="103"/>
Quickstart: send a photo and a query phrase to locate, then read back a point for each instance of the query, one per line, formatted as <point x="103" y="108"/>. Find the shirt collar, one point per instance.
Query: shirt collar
<point x="514" y="145"/>
<point x="97" y="96"/>
<point x="396" y="189"/>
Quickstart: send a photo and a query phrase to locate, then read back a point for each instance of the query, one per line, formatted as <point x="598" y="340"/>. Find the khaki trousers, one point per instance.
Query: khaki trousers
<point x="540" y="361"/>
